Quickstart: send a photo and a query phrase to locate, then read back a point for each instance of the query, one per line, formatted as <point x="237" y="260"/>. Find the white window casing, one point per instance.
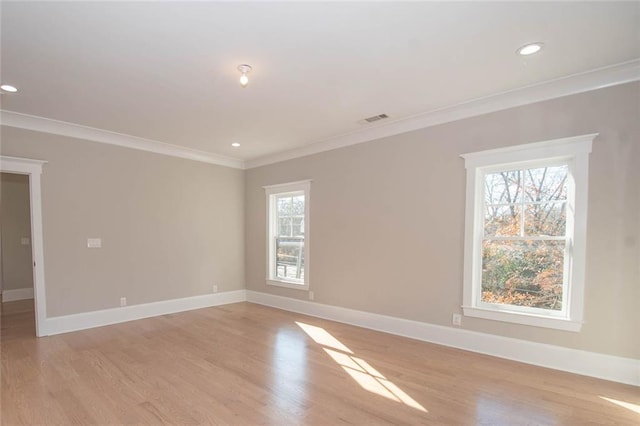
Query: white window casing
<point x="300" y="280"/>
<point x="572" y="151"/>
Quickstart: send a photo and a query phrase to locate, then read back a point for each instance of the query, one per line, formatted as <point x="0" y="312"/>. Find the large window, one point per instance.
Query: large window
<point x="525" y="233"/>
<point x="288" y="235"/>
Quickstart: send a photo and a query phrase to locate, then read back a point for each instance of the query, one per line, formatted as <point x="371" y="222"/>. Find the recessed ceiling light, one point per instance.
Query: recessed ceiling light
<point x="235" y="145"/>
<point x="530" y="49"/>
<point x="8" y="88"/>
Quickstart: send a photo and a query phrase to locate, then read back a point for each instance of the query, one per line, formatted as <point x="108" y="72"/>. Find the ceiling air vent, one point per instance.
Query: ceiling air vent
<point x="374" y="118"/>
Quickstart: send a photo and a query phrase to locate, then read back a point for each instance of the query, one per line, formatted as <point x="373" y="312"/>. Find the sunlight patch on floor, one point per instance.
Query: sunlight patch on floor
<point x="628" y="405"/>
<point x="323" y="337"/>
<point x="361" y="371"/>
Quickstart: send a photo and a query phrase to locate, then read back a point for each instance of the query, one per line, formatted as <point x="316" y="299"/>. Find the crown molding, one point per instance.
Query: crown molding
<point x="63" y="128"/>
<point x="577" y="83"/>
<point x="573" y="84"/>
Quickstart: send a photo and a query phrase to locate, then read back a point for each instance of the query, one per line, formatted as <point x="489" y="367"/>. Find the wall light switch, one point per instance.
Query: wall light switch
<point x="24" y="241"/>
<point x="94" y="242"/>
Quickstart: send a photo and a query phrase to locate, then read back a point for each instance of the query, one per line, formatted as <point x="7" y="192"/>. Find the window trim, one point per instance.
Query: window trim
<point x="573" y="150"/>
<point x="271" y="191"/>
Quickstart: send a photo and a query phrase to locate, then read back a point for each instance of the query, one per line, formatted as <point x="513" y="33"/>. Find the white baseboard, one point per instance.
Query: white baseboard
<point x="17" y="294"/>
<point x="608" y="367"/>
<point x="85" y="320"/>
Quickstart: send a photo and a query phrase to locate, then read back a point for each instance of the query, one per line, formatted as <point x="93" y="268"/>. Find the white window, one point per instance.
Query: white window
<point x="525" y="233"/>
<point x="288" y="235"/>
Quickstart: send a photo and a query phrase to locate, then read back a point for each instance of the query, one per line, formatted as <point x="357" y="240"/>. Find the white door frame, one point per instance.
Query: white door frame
<point x="33" y="168"/>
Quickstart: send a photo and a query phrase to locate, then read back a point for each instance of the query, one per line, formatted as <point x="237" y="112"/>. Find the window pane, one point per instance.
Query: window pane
<point x="546" y="183"/>
<point x="298" y="205"/>
<point x="545" y="219"/>
<point x="290" y="258"/>
<point x="284" y="206"/>
<point x="523" y="273"/>
<point x="502" y="221"/>
<point x="284" y="227"/>
<point x="298" y="226"/>
<point x="287" y="207"/>
<point x="503" y="187"/>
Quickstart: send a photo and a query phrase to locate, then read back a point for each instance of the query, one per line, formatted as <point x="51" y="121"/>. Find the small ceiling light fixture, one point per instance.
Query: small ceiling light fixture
<point x="235" y="145"/>
<point x="8" y="88"/>
<point x="244" y="69"/>
<point x="530" y="48"/>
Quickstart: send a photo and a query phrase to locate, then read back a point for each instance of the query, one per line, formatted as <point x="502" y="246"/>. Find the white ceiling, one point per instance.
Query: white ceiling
<point x="166" y="71"/>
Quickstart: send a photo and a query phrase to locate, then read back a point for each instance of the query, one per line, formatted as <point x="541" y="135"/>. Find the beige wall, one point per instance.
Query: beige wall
<point x="15" y="225"/>
<point x="170" y="227"/>
<point x="387" y="218"/>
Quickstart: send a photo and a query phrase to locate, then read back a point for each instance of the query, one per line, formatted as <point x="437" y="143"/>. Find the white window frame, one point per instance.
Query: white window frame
<point x="272" y="191"/>
<point x="573" y="151"/>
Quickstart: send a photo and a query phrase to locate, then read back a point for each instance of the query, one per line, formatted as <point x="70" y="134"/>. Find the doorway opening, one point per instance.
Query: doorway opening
<point x="22" y="253"/>
<point x="16" y="257"/>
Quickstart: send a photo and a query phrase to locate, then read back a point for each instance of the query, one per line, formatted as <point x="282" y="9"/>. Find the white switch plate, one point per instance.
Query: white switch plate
<point x="123" y="301"/>
<point x="311" y="295"/>
<point x="24" y="241"/>
<point x="215" y="288"/>
<point x="94" y="242"/>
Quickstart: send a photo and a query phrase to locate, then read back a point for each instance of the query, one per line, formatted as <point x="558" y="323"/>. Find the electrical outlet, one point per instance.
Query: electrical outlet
<point x="215" y="288"/>
<point x="311" y="295"/>
<point x="123" y="301"/>
<point x="94" y="242"/>
<point x="456" y="320"/>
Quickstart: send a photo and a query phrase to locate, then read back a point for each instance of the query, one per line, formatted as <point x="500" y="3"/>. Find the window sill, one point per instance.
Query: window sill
<point x="288" y="284"/>
<point x="523" y="318"/>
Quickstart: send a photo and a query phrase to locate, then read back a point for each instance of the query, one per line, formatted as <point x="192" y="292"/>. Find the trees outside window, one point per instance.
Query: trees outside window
<point x="524" y="242"/>
<point x="525" y="233"/>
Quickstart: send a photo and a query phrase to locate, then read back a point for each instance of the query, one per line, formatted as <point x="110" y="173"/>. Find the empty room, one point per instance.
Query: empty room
<point x="320" y="213"/>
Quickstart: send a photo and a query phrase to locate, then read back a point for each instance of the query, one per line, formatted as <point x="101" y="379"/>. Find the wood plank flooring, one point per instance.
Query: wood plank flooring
<point x="250" y="364"/>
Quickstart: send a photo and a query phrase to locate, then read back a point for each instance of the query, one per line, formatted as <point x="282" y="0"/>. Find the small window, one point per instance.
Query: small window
<point x="288" y="235"/>
<point x="525" y="233"/>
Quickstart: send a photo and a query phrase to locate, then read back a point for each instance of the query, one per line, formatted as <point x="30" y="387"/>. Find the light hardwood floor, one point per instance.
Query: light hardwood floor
<point x="249" y="364"/>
